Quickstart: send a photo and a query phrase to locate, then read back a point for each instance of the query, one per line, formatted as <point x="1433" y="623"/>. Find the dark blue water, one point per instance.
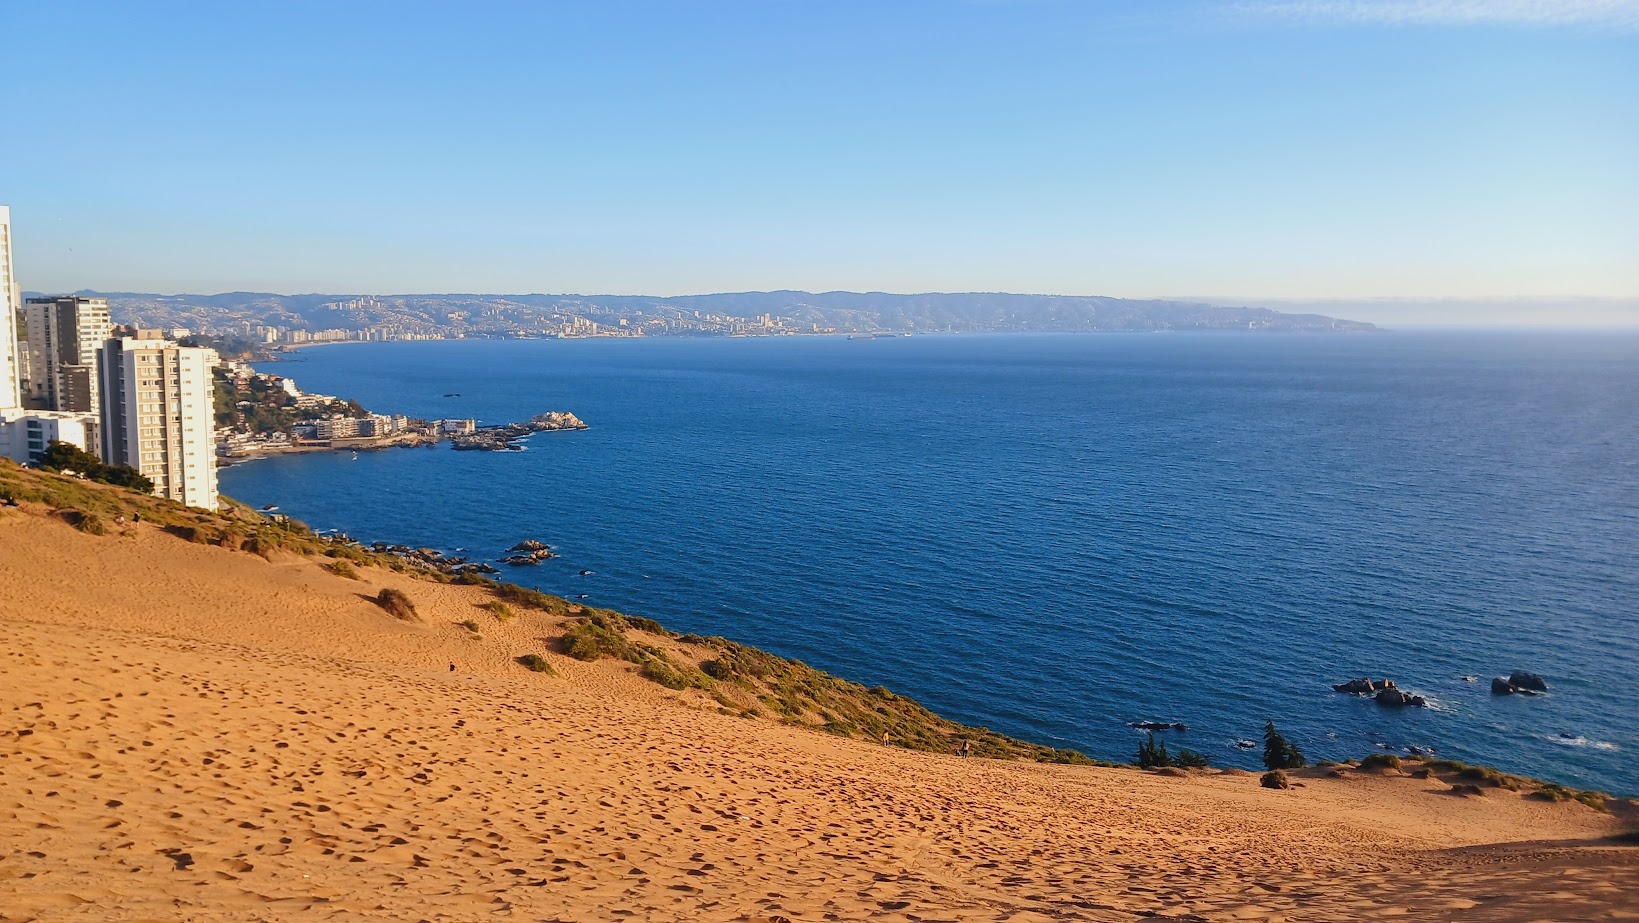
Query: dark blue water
<point x="1054" y="535"/>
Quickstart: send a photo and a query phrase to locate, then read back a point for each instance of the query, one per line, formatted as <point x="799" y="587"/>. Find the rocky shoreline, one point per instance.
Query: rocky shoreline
<point x="505" y="438"/>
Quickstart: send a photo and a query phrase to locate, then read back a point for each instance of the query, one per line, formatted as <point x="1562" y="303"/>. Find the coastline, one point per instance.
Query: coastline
<point x="340" y="750"/>
<point x="712" y="589"/>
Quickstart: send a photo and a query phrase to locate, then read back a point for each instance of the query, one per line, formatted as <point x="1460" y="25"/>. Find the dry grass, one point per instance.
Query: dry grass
<point x="398" y="604"/>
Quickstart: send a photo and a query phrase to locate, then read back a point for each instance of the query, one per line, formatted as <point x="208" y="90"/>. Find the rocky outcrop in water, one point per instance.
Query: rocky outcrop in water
<point x="505" y="438"/>
<point x="1396" y="698"/>
<point x="1363" y="686"/>
<point x="1518" y="683"/>
<point x="1383" y="693"/>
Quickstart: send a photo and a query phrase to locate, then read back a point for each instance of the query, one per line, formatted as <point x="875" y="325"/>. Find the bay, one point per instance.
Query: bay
<point x="1055" y="535"/>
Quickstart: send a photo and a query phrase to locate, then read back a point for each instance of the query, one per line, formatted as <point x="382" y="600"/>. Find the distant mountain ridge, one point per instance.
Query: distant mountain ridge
<point x="499" y="314"/>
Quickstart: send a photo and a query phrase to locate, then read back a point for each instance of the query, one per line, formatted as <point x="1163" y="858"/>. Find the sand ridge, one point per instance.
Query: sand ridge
<point x="188" y="733"/>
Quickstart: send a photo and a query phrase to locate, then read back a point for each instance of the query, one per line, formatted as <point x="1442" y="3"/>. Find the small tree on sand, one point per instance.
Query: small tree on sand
<point x="1153" y="754"/>
<point x="1278" y="752"/>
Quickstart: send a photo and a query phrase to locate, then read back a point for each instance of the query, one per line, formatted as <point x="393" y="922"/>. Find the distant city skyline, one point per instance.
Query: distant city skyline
<point x="1266" y="153"/>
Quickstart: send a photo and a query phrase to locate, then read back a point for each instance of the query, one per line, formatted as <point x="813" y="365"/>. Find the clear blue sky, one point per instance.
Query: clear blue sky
<point x="1156" y="147"/>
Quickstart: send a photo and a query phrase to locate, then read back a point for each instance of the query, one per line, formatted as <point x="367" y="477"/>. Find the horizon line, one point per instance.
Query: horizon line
<point x="1197" y="299"/>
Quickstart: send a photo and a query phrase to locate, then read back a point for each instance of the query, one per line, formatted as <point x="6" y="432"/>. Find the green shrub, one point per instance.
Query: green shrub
<point x="1278" y="752"/>
<point x="1484" y="774"/>
<point x="642" y="624"/>
<point x="588" y="641"/>
<point x="60" y="456"/>
<point x="397" y="603"/>
<point x="1189" y="759"/>
<point x="1152" y="754"/>
<point x="1551" y="792"/>
<point x="1068" y="757"/>
<point x="536" y="663"/>
<point x="342" y="568"/>
<point x="1593" y="800"/>
<point x="470" y="625"/>
<point x="503" y="613"/>
<point x="532" y="599"/>
<point x="664" y="672"/>
<point x="1275" y="778"/>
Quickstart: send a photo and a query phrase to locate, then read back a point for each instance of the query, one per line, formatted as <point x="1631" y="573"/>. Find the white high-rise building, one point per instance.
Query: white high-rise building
<point x="10" y="294"/>
<point x="158" y="415"/>
<point x="25" y="434"/>
<point x="64" y="334"/>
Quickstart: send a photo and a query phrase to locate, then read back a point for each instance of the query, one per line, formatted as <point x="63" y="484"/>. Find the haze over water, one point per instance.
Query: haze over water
<point x="1055" y="535"/>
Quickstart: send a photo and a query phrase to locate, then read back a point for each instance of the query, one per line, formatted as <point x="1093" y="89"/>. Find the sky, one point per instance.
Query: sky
<point x="1291" y="149"/>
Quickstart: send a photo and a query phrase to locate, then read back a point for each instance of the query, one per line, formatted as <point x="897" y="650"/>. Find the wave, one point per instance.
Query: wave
<point x="1575" y="740"/>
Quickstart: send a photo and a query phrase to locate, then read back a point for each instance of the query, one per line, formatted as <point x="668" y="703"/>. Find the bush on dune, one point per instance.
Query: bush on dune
<point x="535" y="663"/>
<point x="532" y="599"/>
<point x="397" y="603"/>
<point x="1379" y="762"/>
<point x="89" y="523"/>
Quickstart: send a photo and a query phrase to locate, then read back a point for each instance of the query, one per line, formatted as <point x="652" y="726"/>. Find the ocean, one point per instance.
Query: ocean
<point x="1054" y="536"/>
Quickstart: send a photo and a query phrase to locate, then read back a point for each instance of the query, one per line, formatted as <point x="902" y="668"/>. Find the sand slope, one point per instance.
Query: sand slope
<point x="188" y="733"/>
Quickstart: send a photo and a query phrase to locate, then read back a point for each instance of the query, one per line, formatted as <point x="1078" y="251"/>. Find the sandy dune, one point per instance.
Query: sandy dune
<point x="188" y="733"/>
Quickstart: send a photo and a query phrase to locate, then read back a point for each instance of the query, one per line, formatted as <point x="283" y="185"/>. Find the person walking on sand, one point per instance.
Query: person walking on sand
<point x="452" y="666"/>
<point x="884" y="738"/>
<point x="966" y="749"/>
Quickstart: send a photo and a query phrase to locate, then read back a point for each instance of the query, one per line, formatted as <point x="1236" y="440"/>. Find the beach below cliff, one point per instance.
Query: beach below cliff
<point x="192" y="733"/>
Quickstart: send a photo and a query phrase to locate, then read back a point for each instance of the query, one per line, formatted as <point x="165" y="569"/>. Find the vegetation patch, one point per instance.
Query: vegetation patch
<point x="1152" y="754"/>
<point x="398" y="604"/>
<point x="1381" y="762"/>
<point x="531" y="599"/>
<point x="503" y="613"/>
<point x="602" y="633"/>
<point x="342" y="568"/>
<point x="1275" y="778"/>
<point x="89" y="523"/>
<point x="535" y="663"/>
<point x="60" y="456"/>
<point x="763" y="683"/>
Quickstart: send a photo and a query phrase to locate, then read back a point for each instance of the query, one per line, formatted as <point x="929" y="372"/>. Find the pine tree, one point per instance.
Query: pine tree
<point x="1278" y="752"/>
<point x="1153" y="755"/>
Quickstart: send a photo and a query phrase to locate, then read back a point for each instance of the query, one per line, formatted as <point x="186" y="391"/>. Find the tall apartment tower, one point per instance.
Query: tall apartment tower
<point x="10" y="294"/>
<point x="158" y="415"/>
<point x="64" y="334"/>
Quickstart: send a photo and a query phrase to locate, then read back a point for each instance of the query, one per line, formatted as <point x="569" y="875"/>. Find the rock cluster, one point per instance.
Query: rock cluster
<point x="527" y="552"/>
<point x="1518" y="682"/>
<point x="433" y="559"/>
<point x="1363" y="686"/>
<point x="1383" y="693"/>
<point x="1157" y="726"/>
<point x="505" y="438"/>
<point x="1396" y="698"/>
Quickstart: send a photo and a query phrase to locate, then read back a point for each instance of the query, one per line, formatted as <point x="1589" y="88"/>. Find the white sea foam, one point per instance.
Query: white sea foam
<point x="1579" y="741"/>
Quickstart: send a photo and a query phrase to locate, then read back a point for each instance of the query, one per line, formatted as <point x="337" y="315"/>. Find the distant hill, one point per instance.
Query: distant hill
<point x="481" y="314"/>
